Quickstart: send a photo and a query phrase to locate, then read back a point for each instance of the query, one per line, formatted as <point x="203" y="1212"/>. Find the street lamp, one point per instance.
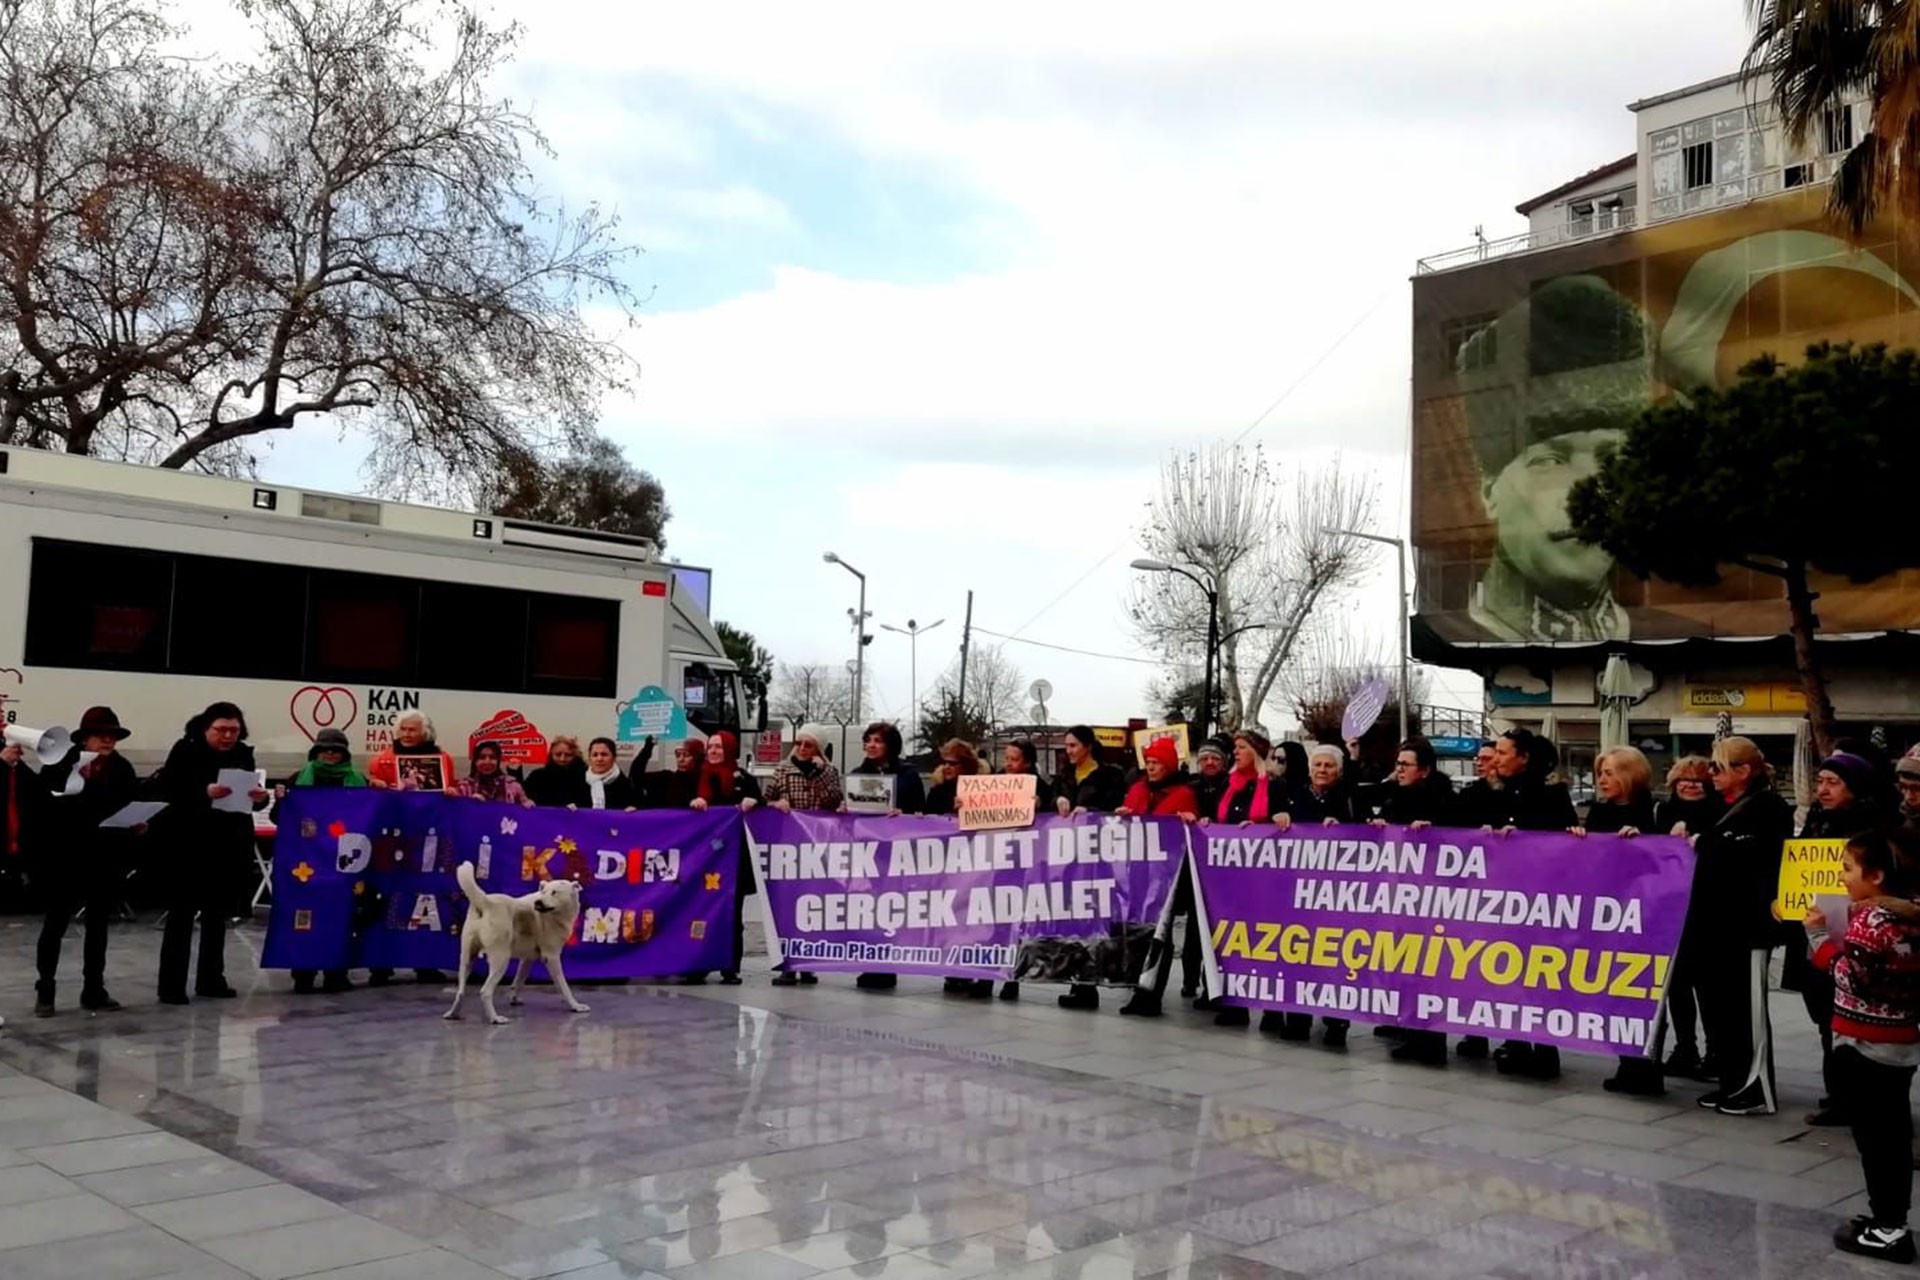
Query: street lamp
<point x="1213" y="633"/>
<point x="913" y="631"/>
<point x="859" y="631"/>
<point x="1406" y="641"/>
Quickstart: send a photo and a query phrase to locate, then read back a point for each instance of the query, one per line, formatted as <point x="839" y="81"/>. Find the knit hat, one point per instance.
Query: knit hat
<point x="1855" y="771"/>
<point x="329" y="740"/>
<point x="1163" y="750"/>
<point x="1219" y="746"/>
<point x="1908" y="767"/>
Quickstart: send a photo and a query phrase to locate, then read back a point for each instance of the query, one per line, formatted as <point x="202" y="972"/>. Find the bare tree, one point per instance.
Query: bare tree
<point x="1331" y="665"/>
<point x="996" y="690"/>
<point x="1265" y="543"/>
<point x="343" y="228"/>
<point x="128" y="241"/>
<point x="814" y="693"/>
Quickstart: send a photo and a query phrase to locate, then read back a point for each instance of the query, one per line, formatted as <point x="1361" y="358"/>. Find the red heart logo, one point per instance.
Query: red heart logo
<point x="317" y="707"/>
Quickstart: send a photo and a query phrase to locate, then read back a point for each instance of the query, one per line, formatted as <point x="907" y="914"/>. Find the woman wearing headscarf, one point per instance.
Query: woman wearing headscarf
<point x="560" y="783"/>
<point x="83" y="864"/>
<point x="1086" y="785"/>
<point x="329" y="764"/>
<point x="489" y="780"/>
<point x="676" y="788"/>
<point x="724" y="784"/>
<point x="209" y="846"/>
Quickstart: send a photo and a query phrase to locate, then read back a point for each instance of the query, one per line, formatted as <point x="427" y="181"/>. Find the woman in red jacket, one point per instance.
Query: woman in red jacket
<point x="1161" y="791"/>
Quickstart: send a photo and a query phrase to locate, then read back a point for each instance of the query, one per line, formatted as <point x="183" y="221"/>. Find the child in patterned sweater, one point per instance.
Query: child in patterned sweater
<point x="1876" y="1028"/>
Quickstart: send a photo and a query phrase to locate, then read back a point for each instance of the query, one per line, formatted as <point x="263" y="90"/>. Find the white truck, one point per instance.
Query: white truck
<point x="156" y="593"/>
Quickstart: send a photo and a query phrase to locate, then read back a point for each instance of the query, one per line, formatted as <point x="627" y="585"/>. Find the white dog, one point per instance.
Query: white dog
<point x="533" y="926"/>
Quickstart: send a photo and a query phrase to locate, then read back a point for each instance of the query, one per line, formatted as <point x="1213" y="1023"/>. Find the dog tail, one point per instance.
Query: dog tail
<point x="471" y="887"/>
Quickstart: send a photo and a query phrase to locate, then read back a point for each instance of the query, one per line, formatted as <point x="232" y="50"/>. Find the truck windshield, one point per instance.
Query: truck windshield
<point x="710" y="700"/>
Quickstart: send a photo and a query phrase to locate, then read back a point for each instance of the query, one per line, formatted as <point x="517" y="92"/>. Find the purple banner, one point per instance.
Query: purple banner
<point x="1545" y="937"/>
<point x="366" y="878"/>
<point x="1066" y="900"/>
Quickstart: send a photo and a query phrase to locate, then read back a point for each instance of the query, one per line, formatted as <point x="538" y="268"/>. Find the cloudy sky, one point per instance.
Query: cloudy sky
<point x="938" y="288"/>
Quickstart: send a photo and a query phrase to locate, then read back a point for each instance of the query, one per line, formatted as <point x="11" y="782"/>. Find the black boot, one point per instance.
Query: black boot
<point x="1009" y="991"/>
<point x="981" y="990"/>
<point x="1428" y="1048"/>
<point x="1637" y="1078"/>
<point x="1514" y="1058"/>
<point x="1231" y="1015"/>
<point x="1081" y="995"/>
<point x="1472" y="1048"/>
<point x="1335" y="1036"/>
<point x="335" y="982"/>
<point x="96" y="1000"/>
<point x="303" y="982"/>
<point x="43" y="998"/>
<point x="1144" y="1004"/>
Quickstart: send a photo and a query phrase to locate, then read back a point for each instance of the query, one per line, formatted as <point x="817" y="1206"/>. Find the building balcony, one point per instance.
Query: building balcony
<point x="1604" y="223"/>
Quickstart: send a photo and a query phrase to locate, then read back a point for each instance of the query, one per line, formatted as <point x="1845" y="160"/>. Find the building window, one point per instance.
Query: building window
<point x="1698" y="160"/>
<point x="1607" y="213"/>
<point x="1836" y="129"/>
<point x="1580" y="218"/>
<point x="1472" y="342"/>
<point x="1796" y="175"/>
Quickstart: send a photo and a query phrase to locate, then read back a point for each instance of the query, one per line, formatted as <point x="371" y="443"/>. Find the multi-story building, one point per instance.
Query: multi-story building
<point x="1636" y="282"/>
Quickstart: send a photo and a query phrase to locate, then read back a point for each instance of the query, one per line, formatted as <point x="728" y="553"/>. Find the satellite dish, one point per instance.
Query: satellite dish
<point x="1040" y="690"/>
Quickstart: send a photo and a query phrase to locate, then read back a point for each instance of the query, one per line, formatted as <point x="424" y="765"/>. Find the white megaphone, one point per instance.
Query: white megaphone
<point x="40" y="747"/>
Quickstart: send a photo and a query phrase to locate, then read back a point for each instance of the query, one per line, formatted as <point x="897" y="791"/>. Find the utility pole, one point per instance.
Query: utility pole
<point x="913" y="631"/>
<point x="1406" y="629"/>
<point x="966" y="643"/>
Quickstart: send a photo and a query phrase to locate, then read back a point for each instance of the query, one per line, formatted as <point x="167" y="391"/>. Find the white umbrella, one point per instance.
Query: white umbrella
<point x="1616" y="701"/>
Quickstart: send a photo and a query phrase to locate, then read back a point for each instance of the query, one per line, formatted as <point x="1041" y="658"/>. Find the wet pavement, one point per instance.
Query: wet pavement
<point x="709" y="1132"/>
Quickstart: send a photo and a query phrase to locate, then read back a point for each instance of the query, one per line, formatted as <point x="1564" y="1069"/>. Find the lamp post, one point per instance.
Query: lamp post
<point x="1400" y="563"/>
<point x="859" y="632"/>
<point x="1212" y="592"/>
<point x="913" y="631"/>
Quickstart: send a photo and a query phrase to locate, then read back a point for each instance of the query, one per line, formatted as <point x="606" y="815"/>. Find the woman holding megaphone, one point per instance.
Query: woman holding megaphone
<point x="82" y="864"/>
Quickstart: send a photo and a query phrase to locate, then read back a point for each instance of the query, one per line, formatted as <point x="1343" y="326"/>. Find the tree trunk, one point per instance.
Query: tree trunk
<point x="1804" y="623"/>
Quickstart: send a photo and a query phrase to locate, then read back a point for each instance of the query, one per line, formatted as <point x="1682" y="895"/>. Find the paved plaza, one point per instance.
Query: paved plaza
<point x="709" y="1132"/>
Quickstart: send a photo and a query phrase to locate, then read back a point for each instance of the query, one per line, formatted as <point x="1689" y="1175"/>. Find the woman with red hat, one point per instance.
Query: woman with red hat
<point x="1161" y="790"/>
<point x="83" y="865"/>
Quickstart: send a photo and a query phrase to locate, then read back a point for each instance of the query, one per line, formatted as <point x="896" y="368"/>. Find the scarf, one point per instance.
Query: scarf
<point x="597" y="783"/>
<point x="716" y="780"/>
<point x="319" y="773"/>
<point x="491" y="786"/>
<point x="1238" y="782"/>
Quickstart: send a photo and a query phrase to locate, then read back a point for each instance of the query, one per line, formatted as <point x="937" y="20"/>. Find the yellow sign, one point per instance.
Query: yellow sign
<point x="1809" y="869"/>
<point x="987" y="801"/>
<point x="1144" y="738"/>
<point x="1748" y="699"/>
<point x="1110" y="737"/>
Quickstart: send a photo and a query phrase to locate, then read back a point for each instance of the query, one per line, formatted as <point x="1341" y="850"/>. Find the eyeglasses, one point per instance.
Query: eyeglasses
<point x="1907" y="784"/>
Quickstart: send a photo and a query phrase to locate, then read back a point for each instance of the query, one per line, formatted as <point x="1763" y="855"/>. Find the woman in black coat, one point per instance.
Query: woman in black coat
<point x="1736" y="874"/>
<point x="83" y="865"/>
<point x="560" y="783"/>
<point x="1691" y="807"/>
<point x="1327" y="798"/>
<point x="1623" y="805"/>
<point x="1086" y="785"/>
<point x="209" y="848"/>
<point x="1528" y="799"/>
<point x="603" y="786"/>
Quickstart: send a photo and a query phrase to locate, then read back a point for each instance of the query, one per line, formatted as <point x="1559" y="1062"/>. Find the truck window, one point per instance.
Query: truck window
<point x="362" y="627"/>
<point x="104" y="608"/>
<point x="708" y="696"/>
<point x="237" y="618"/>
<point x="573" y="646"/>
<point x="472" y="637"/>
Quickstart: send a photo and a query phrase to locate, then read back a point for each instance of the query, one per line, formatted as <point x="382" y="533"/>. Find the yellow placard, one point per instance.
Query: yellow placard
<point x="1808" y="869"/>
<point x="988" y="801"/>
<point x="1110" y="737"/>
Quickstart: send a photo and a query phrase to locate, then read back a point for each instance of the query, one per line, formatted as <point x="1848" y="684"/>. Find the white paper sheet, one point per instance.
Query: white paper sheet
<point x="136" y="813"/>
<point x="238" y="782"/>
<point x="74" y="779"/>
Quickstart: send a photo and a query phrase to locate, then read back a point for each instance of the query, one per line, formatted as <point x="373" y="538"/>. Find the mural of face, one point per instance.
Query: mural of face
<point x="1528" y="504"/>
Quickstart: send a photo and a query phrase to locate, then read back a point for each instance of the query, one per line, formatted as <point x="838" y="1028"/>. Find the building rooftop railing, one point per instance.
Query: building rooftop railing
<point x="1622" y="219"/>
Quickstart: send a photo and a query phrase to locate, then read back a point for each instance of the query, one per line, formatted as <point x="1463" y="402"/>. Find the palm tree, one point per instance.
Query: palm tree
<point x="1814" y="50"/>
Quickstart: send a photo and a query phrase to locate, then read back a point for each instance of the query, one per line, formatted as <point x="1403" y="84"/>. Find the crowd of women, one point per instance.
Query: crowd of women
<point x="1858" y="974"/>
